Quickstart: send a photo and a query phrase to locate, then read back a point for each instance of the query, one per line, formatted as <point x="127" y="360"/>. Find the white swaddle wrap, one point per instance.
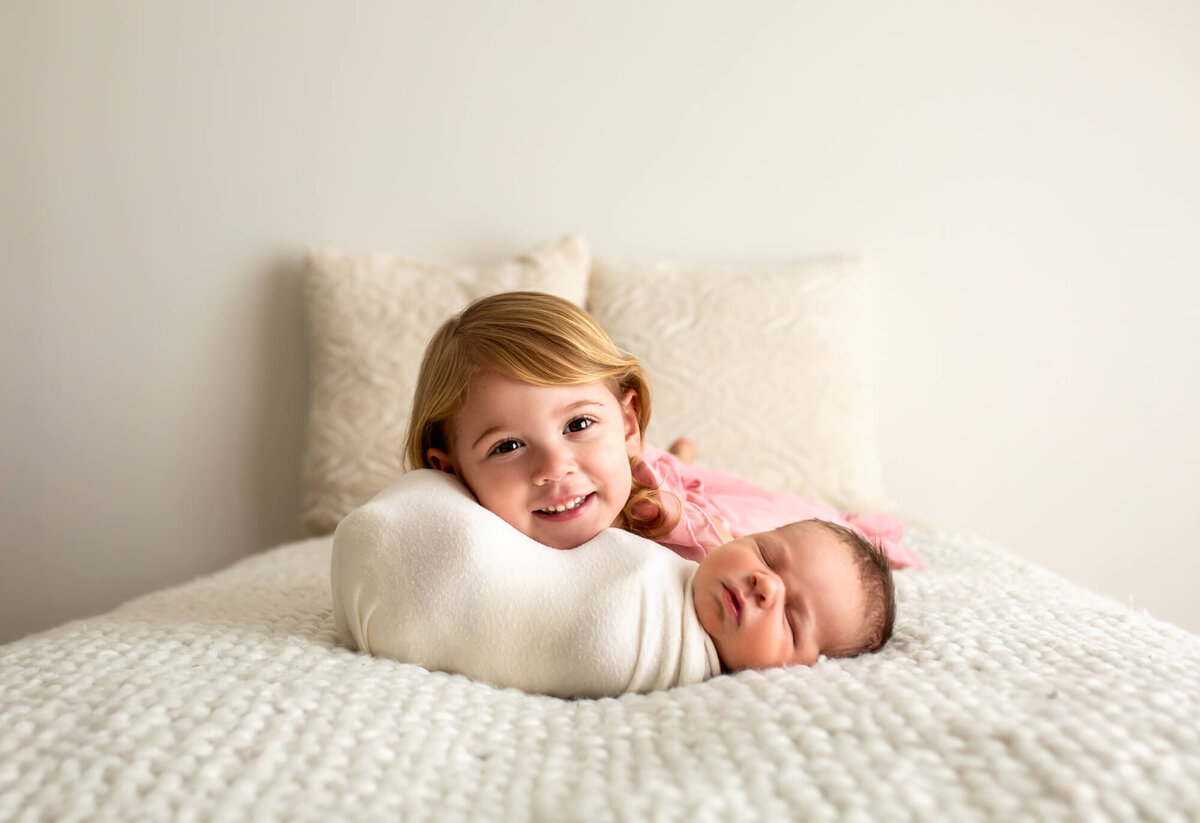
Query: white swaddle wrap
<point x="424" y="574"/>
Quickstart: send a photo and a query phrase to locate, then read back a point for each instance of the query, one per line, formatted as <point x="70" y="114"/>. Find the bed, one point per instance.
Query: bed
<point x="1007" y="692"/>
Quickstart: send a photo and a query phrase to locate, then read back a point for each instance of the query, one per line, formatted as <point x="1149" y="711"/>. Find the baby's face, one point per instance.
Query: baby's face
<point x="781" y="597"/>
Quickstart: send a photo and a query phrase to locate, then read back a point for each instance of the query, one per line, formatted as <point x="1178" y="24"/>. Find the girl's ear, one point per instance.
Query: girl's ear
<point x="633" y="432"/>
<point x="439" y="460"/>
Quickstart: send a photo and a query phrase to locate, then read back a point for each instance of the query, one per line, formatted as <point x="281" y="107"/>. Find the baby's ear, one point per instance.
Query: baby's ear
<point x="438" y="459"/>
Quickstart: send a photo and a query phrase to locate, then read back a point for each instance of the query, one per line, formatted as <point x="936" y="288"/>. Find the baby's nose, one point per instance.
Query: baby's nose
<point x="766" y="588"/>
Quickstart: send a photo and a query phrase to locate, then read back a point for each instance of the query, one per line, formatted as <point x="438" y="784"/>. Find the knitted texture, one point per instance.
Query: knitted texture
<point x="369" y="317"/>
<point x="1007" y="693"/>
<point x="766" y="368"/>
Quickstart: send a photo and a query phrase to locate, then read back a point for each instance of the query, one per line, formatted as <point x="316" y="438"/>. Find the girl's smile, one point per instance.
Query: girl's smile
<point x="551" y="461"/>
<point x="573" y="507"/>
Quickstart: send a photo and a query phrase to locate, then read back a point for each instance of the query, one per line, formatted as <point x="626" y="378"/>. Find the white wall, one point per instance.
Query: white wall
<point x="1023" y="177"/>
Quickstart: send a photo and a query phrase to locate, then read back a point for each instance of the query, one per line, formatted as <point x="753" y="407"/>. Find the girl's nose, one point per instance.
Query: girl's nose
<point x="552" y="465"/>
<point x="766" y="588"/>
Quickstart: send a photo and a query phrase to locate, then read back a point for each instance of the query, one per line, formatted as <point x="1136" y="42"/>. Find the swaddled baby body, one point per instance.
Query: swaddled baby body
<point x="425" y="575"/>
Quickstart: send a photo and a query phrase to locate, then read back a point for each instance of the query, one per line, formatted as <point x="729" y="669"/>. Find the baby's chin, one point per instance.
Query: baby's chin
<point x="732" y="661"/>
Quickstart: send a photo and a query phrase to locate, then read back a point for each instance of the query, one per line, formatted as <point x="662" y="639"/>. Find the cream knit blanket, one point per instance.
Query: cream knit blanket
<point x="1007" y="693"/>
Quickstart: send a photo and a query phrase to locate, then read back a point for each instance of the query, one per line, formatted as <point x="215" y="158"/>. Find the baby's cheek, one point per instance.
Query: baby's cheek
<point x="758" y="651"/>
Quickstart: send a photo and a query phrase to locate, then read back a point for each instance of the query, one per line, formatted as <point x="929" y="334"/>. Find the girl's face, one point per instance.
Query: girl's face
<point x="551" y="461"/>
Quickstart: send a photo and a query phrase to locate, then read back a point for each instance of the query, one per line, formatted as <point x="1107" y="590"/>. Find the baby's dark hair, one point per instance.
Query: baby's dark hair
<point x="878" y="586"/>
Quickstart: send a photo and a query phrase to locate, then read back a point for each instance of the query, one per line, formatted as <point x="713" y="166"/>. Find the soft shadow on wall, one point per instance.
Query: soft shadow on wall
<point x="273" y="464"/>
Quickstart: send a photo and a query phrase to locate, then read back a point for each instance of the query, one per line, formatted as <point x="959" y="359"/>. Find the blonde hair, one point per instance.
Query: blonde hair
<point x="535" y="338"/>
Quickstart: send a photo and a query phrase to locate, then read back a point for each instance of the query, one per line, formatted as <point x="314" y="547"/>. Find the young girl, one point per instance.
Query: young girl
<point x="527" y="400"/>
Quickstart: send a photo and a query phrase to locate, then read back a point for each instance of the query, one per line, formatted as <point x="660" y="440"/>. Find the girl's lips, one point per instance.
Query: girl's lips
<point x="733" y="603"/>
<point x="567" y="514"/>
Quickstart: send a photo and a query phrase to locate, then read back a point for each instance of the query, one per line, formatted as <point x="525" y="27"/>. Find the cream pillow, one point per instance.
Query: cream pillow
<point x="766" y="368"/>
<point x="370" y="316"/>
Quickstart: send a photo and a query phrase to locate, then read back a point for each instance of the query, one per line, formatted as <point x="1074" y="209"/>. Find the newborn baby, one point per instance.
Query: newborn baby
<point x="424" y="574"/>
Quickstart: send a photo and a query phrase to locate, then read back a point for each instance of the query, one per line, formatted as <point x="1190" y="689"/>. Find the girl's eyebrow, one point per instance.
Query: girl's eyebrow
<point x="487" y="434"/>
<point x="579" y="403"/>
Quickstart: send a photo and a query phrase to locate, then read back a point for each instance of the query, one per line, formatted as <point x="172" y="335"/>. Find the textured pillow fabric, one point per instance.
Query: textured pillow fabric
<point x="370" y="316"/>
<point x="766" y="368"/>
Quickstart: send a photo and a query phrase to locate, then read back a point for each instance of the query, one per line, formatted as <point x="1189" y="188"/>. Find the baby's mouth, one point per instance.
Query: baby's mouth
<point x="733" y="604"/>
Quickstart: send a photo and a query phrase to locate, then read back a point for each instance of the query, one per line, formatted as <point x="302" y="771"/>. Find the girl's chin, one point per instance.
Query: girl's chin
<point x="571" y="538"/>
<point x="565" y="539"/>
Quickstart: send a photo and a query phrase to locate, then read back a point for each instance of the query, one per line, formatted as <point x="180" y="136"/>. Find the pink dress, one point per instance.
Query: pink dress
<point x="711" y="495"/>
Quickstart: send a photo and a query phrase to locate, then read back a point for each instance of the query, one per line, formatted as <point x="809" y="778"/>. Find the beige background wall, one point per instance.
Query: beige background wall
<point x="1023" y="178"/>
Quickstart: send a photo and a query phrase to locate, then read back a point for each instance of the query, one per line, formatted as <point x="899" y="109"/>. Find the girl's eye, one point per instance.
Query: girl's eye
<point x="505" y="446"/>
<point x="580" y="423"/>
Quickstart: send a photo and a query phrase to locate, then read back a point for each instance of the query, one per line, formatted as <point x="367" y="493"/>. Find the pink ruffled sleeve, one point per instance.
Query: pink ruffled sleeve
<point x="697" y="531"/>
<point x="710" y="500"/>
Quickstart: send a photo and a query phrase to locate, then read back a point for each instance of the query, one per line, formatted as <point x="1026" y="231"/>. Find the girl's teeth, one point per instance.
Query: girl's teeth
<point x="566" y="507"/>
